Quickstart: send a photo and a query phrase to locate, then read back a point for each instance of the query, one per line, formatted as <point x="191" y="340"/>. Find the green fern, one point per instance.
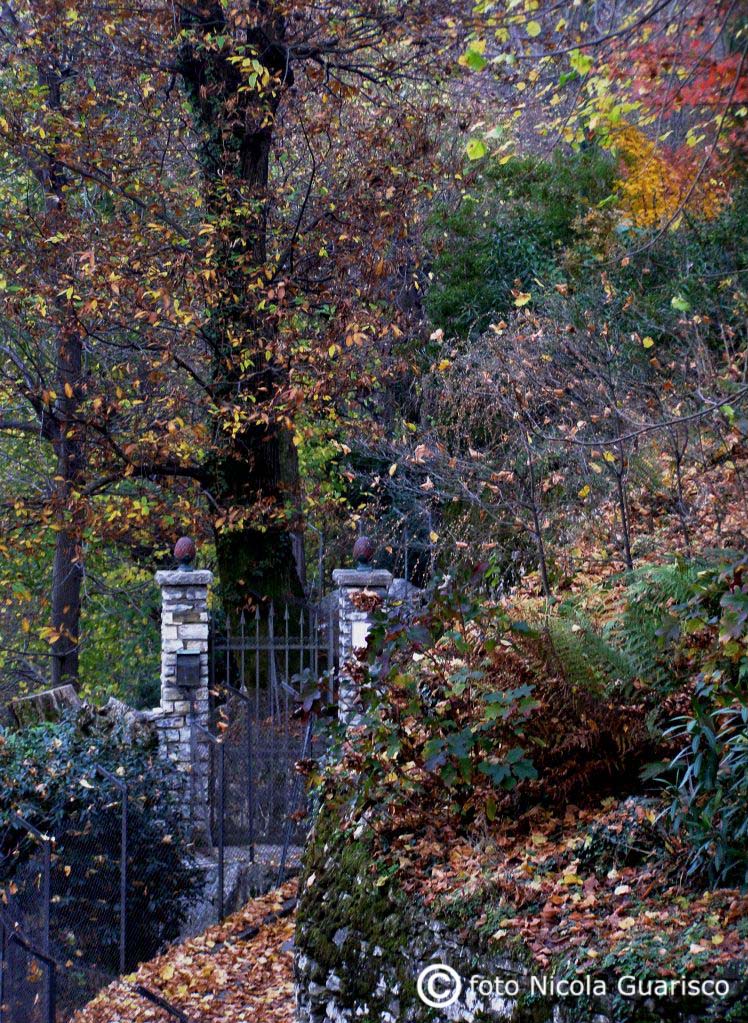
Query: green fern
<point x="630" y="647"/>
<point x="585" y="657"/>
<point x="649" y="597"/>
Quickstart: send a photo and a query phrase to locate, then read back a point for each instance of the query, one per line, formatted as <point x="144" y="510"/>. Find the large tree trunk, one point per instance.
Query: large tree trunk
<point x="67" y="577"/>
<point x="63" y="429"/>
<point x="254" y="475"/>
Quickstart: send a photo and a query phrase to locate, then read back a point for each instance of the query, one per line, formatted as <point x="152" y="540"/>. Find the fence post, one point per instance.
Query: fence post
<point x="184" y="683"/>
<point x="124" y="793"/>
<point x="46" y="843"/>
<point x="221" y="822"/>
<point x="363" y="590"/>
<point x="250" y="784"/>
<point x="3" y="967"/>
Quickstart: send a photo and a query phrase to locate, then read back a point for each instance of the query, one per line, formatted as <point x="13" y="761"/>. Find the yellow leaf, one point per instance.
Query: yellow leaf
<point x="584" y="492"/>
<point x="393" y="469"/>
<point x="571" y="879"/>
<point x="523" y="298"/>
<point x="433" y="537"/>
<point x="444" y="364"/>
<point x="534" y="28"/>
<point x="609" y="456"/>
<point x="647" y="342"/>
<point x="167" y="972"/>
<point x="68" y="390"/>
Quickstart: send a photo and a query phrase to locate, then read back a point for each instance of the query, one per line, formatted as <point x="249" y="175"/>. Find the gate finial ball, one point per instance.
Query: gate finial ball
<point x="363" y="552"/>
<point x="184" y="552"/>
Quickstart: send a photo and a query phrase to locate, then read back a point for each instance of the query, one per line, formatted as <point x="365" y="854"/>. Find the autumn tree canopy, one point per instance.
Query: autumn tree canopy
<point x="215" y="248"/>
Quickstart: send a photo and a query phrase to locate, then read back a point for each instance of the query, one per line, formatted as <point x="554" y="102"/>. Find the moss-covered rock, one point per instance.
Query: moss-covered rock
<point x="362" y="944"/>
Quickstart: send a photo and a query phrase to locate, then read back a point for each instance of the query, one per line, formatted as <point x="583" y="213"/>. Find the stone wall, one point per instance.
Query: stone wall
<point x="361" y="946"/>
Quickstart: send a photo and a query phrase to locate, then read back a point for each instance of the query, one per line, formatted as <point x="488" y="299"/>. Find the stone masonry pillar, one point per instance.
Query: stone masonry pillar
<point x="184" y="684"/>
<point x="362" y="591"/>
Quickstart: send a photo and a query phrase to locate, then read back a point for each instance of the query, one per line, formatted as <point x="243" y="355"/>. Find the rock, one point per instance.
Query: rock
<point x="139" y="726"/>
<point x="403" y="592"/>
<point x="49" y="705"/>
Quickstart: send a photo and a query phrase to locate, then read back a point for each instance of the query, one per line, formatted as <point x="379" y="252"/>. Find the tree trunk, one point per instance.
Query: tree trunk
<point x="254" y="475"/>
<point x="64" y="431"/>
<point x="67" y="575"/>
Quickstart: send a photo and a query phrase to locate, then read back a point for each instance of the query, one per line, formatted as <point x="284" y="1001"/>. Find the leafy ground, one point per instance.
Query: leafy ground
<point x="587" y="887"/>
<point x="240" y="970"/>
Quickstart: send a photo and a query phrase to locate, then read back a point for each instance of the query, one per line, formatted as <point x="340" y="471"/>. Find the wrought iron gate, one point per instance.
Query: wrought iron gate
<point x="260" y="673"/>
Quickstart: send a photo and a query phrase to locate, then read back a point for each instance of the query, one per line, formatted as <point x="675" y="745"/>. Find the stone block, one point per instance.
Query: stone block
<point x="179" y="579"/>
<point x="199" y="631"/>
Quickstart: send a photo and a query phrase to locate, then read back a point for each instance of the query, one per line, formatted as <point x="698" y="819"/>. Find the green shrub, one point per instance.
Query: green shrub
<point x="709" y="790"/>
<point x="433" y="713"/>
<point x="710" y="803"/>
<point x="517" y="227"/>
<point x="48" y="775"/>
<point x="469" y="713"/>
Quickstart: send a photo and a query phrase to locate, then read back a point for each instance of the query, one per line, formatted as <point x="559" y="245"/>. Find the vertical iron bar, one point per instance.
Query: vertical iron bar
<point x="212" y="644"/>
<point x="3" y="968"/>
<point x="250" y="786"/>
<point x="286" y="618"/>
<point x="221" y="816"/>
<point x="194" y="759"/>
<point x="123" y="884"/>
<point x="301" y="642"/>
<point x="321" y="566"/>
<point x="51" y="992"/>
<point x="228" y="651"/>
<point x="331" y="653"/>
<point x="257" y="663"/>
<point x="314" y="632"/>
<point x="47" y="893"/>
<point x="272" y="664"/>
<point x="242" y="644"/>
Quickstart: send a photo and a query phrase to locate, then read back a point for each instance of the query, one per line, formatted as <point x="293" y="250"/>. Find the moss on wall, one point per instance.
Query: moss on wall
<point x="352" y="926"/>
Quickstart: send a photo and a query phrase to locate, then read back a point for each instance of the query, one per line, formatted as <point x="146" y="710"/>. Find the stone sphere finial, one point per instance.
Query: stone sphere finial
<point x="363" y="552"/>
<point x="184" y="552"/>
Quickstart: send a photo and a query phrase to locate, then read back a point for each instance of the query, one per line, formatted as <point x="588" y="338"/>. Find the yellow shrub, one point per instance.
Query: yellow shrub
<point x="655" y="183"/>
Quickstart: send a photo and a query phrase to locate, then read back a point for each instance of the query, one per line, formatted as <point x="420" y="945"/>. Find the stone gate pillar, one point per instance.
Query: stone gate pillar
<point x="362" y="591"/>
<point x="184" y="683"/>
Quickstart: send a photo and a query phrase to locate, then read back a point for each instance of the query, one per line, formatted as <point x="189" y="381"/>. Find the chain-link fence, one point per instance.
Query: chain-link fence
<point x="79" y="908"/>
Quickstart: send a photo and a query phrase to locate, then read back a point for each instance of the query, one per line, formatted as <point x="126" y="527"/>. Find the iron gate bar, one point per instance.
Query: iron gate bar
<point x="219" y="746"/>
<point x="305" y="750"/>
<point x="2" y="968"/>
<point x="124" y="792"/>
<point x="247" y="699"/>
